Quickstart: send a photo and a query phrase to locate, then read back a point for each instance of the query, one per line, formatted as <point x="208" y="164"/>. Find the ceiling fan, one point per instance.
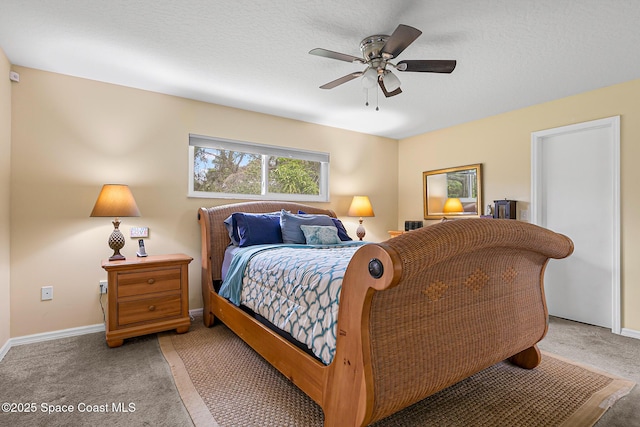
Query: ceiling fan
<point x="377" y="52"/>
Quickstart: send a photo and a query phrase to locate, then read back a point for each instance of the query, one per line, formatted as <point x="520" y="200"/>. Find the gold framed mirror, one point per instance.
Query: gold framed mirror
<point x="453" y="192"/>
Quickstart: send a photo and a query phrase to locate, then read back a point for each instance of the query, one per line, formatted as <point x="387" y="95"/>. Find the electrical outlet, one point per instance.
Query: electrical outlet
<point x="46" y="293"/>
<point x="103" y="286"/>
<point x="524" y="215"/>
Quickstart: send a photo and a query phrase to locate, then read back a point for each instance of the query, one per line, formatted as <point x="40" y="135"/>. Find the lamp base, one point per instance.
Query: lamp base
<point x="116" y="242"/>
<point x="117" y="257"/>
<point x="360" y="231"/>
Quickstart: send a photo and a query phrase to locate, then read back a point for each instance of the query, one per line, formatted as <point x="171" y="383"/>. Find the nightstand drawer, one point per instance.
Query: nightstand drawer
<point x="148" y="309"/>
<point x="143" y="282"/>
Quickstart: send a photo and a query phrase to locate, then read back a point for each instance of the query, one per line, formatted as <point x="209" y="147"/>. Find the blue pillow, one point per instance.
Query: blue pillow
<point x="342" y="232"/>
<point x="232" y="226"/>
<point x="257" y="229"/>
<point x="320" y="234"/>
<point x="290" y="225"/>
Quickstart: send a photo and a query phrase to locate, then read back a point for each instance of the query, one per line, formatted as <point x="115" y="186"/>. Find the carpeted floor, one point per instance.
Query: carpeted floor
<point x="239" y="388"/>
<point x="83" y="370"/>
<point x="125" y="386"/>
<point x="596" y="346"/>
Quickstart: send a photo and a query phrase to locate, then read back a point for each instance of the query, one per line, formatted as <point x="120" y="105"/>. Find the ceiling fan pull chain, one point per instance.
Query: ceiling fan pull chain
<point x="366" y="97"/>
<point x="377" y="108"/>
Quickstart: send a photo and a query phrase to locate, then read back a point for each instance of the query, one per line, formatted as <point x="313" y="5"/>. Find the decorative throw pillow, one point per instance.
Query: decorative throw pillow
<point x="290" y="224"/>
<point x="342" y="232"/>
<point x="320" y="234"/>
<point x="257" y="229"/>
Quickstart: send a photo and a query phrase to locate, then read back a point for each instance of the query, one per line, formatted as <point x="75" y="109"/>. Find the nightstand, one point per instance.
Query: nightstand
<point x="147" y="295"/>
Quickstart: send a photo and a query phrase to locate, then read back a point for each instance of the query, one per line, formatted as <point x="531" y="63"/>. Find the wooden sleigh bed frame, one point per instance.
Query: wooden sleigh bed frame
<point x="418" y="313"/>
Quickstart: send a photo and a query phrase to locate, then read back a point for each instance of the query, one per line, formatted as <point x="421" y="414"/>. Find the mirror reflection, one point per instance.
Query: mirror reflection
<point x="452" y="192"/>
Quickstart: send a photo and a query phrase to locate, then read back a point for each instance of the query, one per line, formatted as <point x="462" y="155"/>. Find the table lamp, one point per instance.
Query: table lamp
<point x="453" y="205"/>
<point x="115" y="200"/>
<point x="360" y="207"/>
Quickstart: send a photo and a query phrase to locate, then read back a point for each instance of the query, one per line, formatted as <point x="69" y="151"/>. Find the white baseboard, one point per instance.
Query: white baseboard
<point x="64" y="333"/>
<point x="48" y="336"/>
<point x="5" y="349"/>
<point x="54" y="335"/>
<point x="630" y="333"/>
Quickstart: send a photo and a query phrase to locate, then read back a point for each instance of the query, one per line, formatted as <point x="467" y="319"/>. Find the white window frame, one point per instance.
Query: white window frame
<point x="265" y="151"/>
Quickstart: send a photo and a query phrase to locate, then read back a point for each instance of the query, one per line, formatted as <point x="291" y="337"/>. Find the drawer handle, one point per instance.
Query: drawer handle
<point x="151" y="281"/>
<point x="152" y="308"/>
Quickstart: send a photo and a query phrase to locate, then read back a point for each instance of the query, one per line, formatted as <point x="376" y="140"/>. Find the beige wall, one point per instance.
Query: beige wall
<point x="502" y="144"/>
<point x="5" y="155"/>
<point x="72" y="135"/>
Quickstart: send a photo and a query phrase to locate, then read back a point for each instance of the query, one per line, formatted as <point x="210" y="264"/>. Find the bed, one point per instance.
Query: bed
<point x="417" y="313"/>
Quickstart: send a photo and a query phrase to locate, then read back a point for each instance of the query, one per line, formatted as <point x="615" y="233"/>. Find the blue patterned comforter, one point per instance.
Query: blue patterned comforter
<point x="295" y="287"/>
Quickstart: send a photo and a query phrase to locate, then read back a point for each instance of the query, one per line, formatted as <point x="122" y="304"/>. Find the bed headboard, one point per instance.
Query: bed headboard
<point x="214" y="233"/>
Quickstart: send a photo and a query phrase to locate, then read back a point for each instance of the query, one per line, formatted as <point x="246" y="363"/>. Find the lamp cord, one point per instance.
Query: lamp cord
<point x="104" y="319"/>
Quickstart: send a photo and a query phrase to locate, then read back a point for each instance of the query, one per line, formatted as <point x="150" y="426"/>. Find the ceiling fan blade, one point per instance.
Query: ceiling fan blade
<point x="402" y="37"/>
<point x="335" y="55"/>
<point x="387" y="93"/>
<point x="427" y="66"/>
<point x="344" y="79"/>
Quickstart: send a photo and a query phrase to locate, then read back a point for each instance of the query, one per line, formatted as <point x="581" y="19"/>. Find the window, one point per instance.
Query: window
<point x="243" y="170"/>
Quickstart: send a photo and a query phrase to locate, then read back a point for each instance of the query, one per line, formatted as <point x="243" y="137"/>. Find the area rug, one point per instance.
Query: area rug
<point x="223" y="382"/>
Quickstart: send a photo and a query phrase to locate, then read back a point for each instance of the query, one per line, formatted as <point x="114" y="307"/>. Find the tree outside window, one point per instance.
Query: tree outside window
<point x="223" y="168"/>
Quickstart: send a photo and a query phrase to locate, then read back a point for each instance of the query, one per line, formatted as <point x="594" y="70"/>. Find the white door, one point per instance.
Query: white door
<point x="575" y="191"/>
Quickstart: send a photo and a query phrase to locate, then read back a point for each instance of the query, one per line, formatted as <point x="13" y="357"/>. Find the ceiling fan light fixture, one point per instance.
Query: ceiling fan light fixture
<point x="391" y="82"/>
<point x="370" y="78"/>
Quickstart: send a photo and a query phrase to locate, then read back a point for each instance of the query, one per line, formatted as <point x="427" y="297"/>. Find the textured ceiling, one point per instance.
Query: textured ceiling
<point x="254" y="55"/>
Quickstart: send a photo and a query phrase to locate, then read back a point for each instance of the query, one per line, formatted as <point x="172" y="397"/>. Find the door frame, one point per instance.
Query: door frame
<point x="613" y="125"/>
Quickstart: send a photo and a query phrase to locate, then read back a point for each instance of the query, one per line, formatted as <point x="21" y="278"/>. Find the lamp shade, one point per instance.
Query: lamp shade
<point x="370" y="78"/>
<point x="391" y="82"/>
<point x="360" y="206"/>
<point x="453" y="205"/>
<point x="115" y="200"/>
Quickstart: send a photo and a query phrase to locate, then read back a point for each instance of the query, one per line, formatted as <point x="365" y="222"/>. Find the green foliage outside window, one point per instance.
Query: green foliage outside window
<point x="293" y="176"/>
<point x="234" y="172"/>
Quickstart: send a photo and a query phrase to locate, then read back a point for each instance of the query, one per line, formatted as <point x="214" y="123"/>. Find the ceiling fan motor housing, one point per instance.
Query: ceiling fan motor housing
<point x="371" y="46"/>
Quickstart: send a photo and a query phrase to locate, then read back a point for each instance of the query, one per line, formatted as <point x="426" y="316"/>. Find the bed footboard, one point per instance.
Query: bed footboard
<point x="453" y="299"/>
